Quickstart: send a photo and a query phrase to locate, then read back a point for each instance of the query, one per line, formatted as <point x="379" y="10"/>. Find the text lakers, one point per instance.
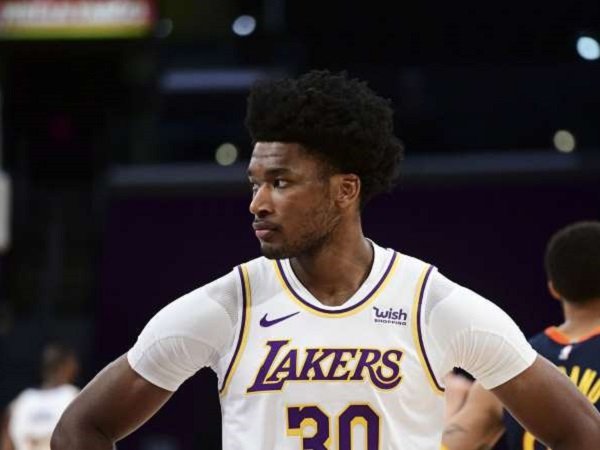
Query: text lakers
<point x="284" y="364"/>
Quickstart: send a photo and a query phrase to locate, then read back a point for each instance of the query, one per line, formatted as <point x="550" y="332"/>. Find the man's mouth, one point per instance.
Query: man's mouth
<point x="263" y="234"/>
<point x="263" y="229"/>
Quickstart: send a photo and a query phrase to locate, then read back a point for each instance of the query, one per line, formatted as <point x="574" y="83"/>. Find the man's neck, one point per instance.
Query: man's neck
<point x="581" y="319"/>
<point x="335" y="272"/>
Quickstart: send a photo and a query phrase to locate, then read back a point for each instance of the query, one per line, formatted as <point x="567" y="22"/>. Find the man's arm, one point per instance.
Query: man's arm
<point x="546" y="403"/>
<point x="551" y="407"/>
<point x="477" y="425"/>
<point x="114" y="404"/>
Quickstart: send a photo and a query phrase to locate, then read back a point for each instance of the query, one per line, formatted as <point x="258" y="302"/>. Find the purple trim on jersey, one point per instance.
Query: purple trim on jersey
<point x="242" y="326"/>
<point x="340" y="311"/>
<point x="419" y="331"/>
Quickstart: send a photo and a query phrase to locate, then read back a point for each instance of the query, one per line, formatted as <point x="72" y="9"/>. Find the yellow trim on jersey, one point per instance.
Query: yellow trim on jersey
<point x="246" y="328"/>
<point x="415" y="333"/>
<point x="333" y="314"/>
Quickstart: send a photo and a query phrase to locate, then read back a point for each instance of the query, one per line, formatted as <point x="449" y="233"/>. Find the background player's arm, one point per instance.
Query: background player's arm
<point x="477" y="425"/>
<point x="534" y="397"/>
<point x="115" y="403"/>
<point x="5" y="441"/>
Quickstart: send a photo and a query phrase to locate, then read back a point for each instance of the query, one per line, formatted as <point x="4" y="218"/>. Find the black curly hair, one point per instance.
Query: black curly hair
<point x="572" y="261"/>
<point x="337" y="118"/>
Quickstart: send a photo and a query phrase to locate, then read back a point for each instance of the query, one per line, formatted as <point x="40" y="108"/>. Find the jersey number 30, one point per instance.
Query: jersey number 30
<point x="301" y="418"/>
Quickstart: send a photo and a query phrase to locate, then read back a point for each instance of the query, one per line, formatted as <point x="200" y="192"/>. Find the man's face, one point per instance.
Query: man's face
<point x="294" y="212"/>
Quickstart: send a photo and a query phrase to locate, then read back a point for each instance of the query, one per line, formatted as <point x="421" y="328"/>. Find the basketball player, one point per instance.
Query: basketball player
<point x="33" y="415"/>
<point x="328" y="341"/>
<point x="573" y="268"/>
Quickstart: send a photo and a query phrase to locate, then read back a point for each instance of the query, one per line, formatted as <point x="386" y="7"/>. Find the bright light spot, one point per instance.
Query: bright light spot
<point x="226" y="154"/>
<point x="588" y="48"/>
<point x="564" y="141"/>
<point x="164" y="27"/>
<point x="244" y="25"/>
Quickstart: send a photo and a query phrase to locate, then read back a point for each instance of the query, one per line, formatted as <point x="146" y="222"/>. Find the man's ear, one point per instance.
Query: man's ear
<point x="553" y="292"/>
<point x="348" y="188"/>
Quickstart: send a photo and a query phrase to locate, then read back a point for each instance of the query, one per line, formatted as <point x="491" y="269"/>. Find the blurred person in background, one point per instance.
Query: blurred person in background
<point x="572" y="262"/>
<point x="329" y="340"/>
<point x="30" y="419"/>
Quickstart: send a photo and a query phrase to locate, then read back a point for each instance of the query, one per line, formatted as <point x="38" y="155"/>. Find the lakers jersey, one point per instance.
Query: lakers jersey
<point x="295" y="374"/>
<point x="331" y="378"/>
<point x="35" y="413"/>
<point x="579" y="360"/>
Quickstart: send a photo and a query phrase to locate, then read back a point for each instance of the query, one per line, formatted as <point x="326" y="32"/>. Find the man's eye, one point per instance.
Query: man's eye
<point x="280" y="183"/>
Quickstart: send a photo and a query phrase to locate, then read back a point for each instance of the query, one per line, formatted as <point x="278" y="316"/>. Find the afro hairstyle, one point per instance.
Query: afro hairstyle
<point x="337" y="118"/>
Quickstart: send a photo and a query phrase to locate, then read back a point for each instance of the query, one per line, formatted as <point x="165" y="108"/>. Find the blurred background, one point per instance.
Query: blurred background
<point x="123" y="154"/>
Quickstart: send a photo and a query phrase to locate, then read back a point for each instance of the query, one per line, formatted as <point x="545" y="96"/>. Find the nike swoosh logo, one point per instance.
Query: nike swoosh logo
<point x="264" y="322"/>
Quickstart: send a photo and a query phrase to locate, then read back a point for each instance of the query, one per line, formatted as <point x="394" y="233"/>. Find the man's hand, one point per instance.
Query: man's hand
<point x="457" y="390"/>
<point x="477" y="425"/>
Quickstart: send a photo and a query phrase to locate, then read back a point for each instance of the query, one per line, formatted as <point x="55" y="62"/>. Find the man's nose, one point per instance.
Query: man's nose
<point x="261" y="204"/>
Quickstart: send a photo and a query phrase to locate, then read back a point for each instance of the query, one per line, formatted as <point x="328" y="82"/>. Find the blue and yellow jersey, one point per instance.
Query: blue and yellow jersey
<point x="579" y="360"/>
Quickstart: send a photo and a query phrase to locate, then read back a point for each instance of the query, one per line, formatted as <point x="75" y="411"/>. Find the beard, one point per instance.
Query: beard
<point x="317" y="231"/>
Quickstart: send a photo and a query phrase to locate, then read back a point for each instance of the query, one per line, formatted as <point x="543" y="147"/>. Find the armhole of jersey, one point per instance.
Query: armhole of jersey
<point x="243" y="330"/>
<point x="417" y="329"/>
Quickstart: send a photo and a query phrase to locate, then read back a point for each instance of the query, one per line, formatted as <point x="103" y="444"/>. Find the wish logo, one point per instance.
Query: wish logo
<point x="390" y="315"/>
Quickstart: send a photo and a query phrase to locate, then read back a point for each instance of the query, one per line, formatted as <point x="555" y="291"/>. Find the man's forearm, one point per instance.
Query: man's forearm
<point x="77" y="437"/>
<point x="586" y="437"/>
<point x="114" y="404"/>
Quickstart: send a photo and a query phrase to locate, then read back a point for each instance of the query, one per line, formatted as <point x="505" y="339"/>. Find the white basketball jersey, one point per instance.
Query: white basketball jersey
<point x="354" y="377"/>
<point x="34" y="415"/>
